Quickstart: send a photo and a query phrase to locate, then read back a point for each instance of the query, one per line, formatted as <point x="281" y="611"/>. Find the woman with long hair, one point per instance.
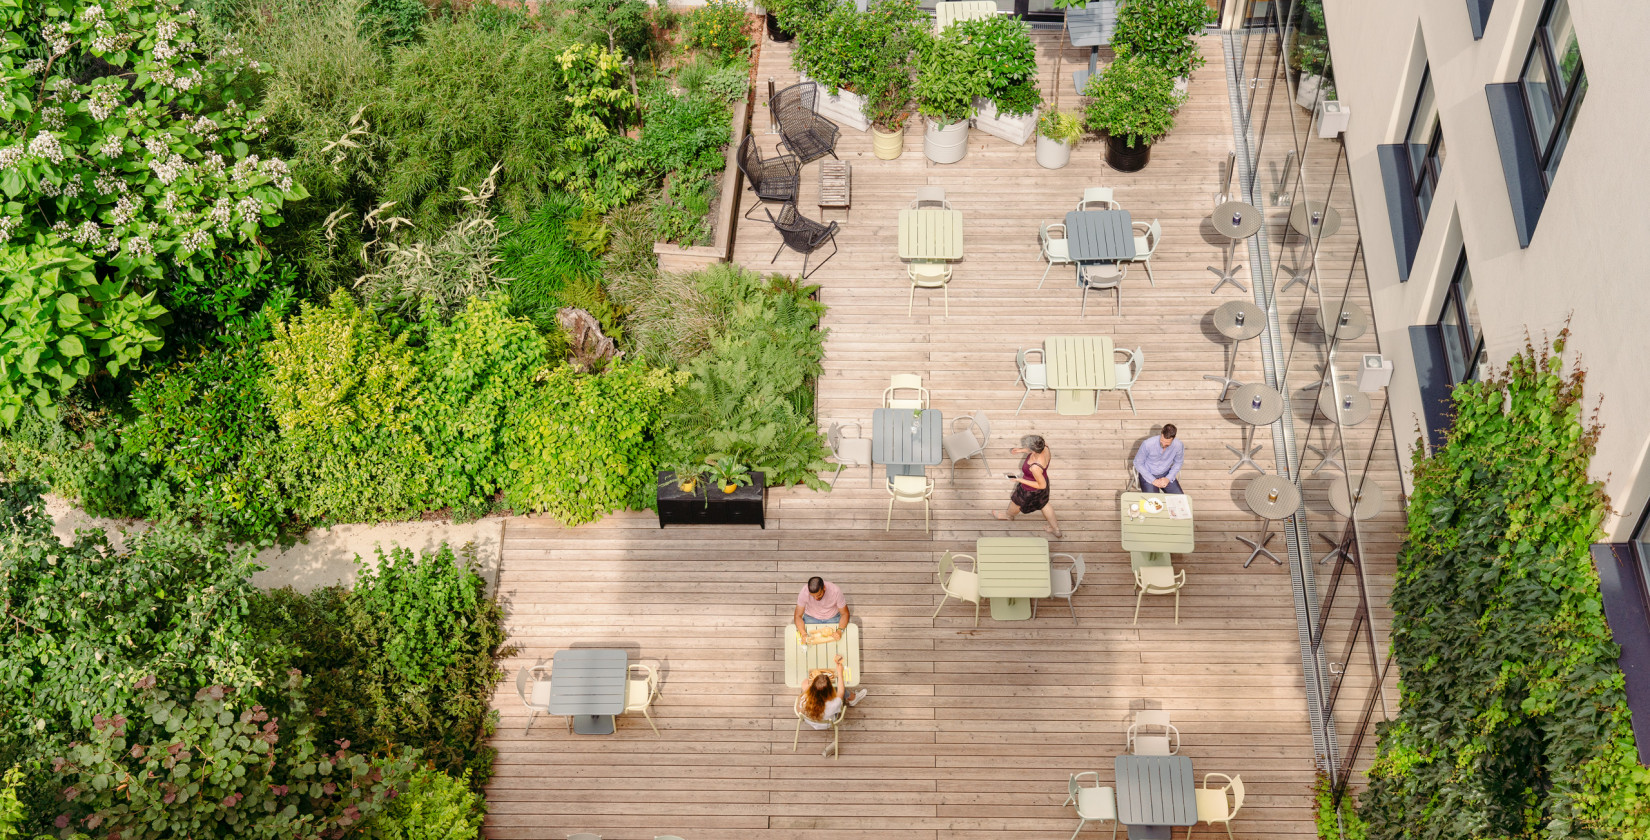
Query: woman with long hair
<point x="821" y="700"/>
<point x="1031" y="485"/>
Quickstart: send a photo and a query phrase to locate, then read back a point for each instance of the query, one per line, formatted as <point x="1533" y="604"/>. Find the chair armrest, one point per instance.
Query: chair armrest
<point x="969" y="557"/>
<point x="1067" y="556"/>
<point x="1208" y="776"/>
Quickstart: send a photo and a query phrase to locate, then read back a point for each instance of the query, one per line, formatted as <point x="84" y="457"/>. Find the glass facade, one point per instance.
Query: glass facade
<point x="1554" y="82"/>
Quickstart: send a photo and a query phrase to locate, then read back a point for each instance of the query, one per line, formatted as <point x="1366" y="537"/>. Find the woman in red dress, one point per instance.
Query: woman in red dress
<point x="1031" y="485"/>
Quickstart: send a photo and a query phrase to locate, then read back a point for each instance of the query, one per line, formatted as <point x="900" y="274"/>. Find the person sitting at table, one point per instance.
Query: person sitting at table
<point x="1158" y="462"/>
<point x="822" y="698"/>
<point x="820" y="602"/>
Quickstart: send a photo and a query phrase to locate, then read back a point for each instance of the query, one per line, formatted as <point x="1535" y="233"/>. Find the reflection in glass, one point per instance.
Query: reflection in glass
<point x="1539" y="94"/>
<point x="1459" y="326"/>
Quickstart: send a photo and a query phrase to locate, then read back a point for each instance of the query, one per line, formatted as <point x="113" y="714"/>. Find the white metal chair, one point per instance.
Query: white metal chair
<point x="1146" y="237"/>
<point x="849" y="451"/>
<point x="533" y="696"/>
<point x="909" y="488"/>
<point x="835" y="749"/>
<point x="1033" y="374"/>
<point x="1097" y="198"/>
<point x="1094" y="803"/>
<point x="1052" y="240"/>
<point x="962" y="584"/>
<point x="965" y="443"/>
<point x="1152" y="734"/>
<point x="930" y="197"/>
<point x="929" y="275"/>
<point x="1128" y="372"/>
<point x="1063" y="582"/>
<point x="904" y="382"/>
<point x="639" y="693"/>
<point x="1212" y="804"/>
<point x="1158" y="580"/>
<point x="1107" y="277"/>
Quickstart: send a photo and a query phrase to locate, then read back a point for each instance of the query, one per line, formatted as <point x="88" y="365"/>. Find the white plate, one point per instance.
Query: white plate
<point x="1153" y="505"/>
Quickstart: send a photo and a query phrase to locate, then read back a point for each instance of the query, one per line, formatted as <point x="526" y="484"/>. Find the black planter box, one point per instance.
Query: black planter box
<point x="708" y="505"/>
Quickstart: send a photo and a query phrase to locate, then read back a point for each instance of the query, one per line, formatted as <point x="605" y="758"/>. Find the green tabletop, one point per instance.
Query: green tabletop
<point x="1012" y="570"/>
<point x="801" y="659"/>
<point x="930" y="233"/>
<point x="1155" y="531"/>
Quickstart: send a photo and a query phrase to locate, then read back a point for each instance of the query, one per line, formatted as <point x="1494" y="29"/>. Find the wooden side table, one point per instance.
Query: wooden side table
<point x="834" y="178"/>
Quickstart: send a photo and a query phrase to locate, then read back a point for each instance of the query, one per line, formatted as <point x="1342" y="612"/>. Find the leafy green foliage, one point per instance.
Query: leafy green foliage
<point x="61" y="324"/>
<point x="417" y="598"/>
<point x="1059" y="125"/>
<point x="11" y="807"/>
<point x="1342" y="823"/>
<point x="582" y="447"/>
<point x="1132" y="99"/>
<point x="434" y="806"/>
<point x="625" y="26"/>
<point x="719" y="28"/>
<point x="946" y="82"/>
<point x="548" y="268"/>
<point x="1160" y="31"/>
<point x="230" y="301"/>
<point x="684" y="137"/>
<point x="344" y="394"/>
<point x="395" y="22"/>
<point x="1513" y="719"/>
<point x="436" y="276"/>
<point x="219" y="766"/>
<point x="1005" y="62"/>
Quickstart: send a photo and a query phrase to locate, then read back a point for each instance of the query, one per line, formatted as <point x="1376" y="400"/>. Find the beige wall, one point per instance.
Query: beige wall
<point x="1589" y="259"/>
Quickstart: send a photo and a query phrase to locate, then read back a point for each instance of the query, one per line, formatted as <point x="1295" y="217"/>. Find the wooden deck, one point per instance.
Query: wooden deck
<point x="967" y="733"/>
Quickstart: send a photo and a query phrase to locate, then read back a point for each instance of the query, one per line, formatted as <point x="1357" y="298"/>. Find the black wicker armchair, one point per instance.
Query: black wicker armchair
<point x="775" y="179"/>
<point x="803" y="235"/>
<point x="805" y="133"/>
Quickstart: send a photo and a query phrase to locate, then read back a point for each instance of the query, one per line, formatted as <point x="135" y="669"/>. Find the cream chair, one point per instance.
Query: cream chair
<point x="1033" y="374"/>
<point x="1094" y="803"/>
<point x="962" y="584"/>
<point x="1158" y="580"/>
<point x="1107" y="277"/>
<point x="1152" y="734"/>
<point x="930" y="197"/>
<point x="1128" y="371"/>
<point x="1052" y="239"/>
<point x="1146" y="237"/>
<point x="1097" y="198"/>
<point x="1212" y="802"/>
<point x="639" y="692"/>
<point x="909" y="488"/>
<point x="969" y="442"/>
<point x="835" y="748"/>
<point x="849" y="451"/>
<point x="904" y="382"/>
<point x="929" y="275"/>
<point x="1063" y="582"/>
<point x="534" y="692"/>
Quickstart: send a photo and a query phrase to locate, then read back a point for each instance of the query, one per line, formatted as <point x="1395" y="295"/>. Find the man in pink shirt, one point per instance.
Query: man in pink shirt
<point x="820" y="602"/>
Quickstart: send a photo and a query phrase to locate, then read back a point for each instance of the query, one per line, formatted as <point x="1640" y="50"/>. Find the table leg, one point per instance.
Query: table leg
<point x="1011" y="609"/>
<point x="593" y="724"/>
<point x="1229" y="273"/>
<point x="1259" y="543"/>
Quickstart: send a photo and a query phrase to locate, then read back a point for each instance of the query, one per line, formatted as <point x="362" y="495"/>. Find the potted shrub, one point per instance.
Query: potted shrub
<point x="1005" y="65"/>
<point x="688" y="474"/>
<point x="882" y="64"/>
<point x="1057" y="133"/>
<point x="888" y="106"/>
<point x="1132" y="102"/>
<point x="945" y="88"/>
<point x="1160" y="31"/>
<point x="729" y="474"/>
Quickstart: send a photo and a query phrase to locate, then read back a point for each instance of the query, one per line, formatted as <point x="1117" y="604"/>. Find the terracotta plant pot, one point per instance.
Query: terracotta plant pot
<point x="1124" y="159"/>
<point x="887" y="145"/>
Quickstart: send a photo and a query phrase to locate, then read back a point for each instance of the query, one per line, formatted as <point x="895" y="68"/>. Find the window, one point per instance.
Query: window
<point x="1641" y="546"/>
<point x="1459" y="326"/>
<point x="1425" y="141"/>
<point x="1553" y="82"/>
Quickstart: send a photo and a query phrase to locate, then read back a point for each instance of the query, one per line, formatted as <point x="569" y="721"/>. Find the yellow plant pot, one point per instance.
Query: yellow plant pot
<point x="887" y="145"/>
<point x="729" y="488"/>
<point x="687" y="486"/>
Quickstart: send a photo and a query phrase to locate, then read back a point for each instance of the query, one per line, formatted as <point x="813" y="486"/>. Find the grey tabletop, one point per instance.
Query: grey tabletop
<point x="1249" y="220"/>
<point x="1155" y="790"/>
<point x="1339" y="411"/>
<point x="892" y="441"/>
<point x="1099" y="235"/>
<point x="1371" y="498"/>
<point x="1269" y="409"/>
<point x="1257" y="493"/>
<point x="1226" y="320"/>
<point x="1357" y="321"/>
<point x="588" y="681"/>
<point x="1329" y="219"/>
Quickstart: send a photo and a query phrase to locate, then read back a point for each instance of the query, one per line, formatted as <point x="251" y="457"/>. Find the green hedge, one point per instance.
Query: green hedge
<point x="1513" y="718"/>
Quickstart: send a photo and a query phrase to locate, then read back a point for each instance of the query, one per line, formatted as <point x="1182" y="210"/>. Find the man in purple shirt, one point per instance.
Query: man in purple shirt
<point x="1158" y="462"/>
<point x="820" y="602"/>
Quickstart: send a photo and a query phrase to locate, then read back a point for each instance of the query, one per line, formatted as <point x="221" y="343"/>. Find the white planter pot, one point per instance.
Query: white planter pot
<point x="843" y="108"/>
<point x="946" y="144"/>
<point x="1016" y="130"/>
<point x="1052" y="154"/>
<point x="1306" y="93"/>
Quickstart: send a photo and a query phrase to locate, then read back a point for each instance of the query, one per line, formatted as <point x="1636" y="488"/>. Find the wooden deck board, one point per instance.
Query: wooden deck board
<point x="968" y="732"/>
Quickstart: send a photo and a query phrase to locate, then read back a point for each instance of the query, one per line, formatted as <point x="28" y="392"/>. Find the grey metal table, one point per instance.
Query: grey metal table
<point x="1100" y="236"/>
<point x="589" y="685"/>
<point x="1351" y="322"/>
<point x="1257" y="404"/>
<point x="1236" y="221"/>
<point x="1312" y="220"/>
<point x="1351" y="409"/>
<point x="1238" y="320"/>
<point x="1363" y="503"/>
<point x="1270" y="497"/>
<point x="901" y="450"/>
<point x="1155" y="793"/>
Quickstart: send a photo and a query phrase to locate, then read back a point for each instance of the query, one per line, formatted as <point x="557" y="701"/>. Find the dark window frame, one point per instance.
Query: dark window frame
<point x="1638" y="540"/>
<point x="1550" y="150"/>
<point x="1468" y="335"/>
<point x="1425" y="172"/>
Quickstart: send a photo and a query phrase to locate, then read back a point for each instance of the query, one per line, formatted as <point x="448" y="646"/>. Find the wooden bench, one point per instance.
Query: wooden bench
<point x="834" y="178"/>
